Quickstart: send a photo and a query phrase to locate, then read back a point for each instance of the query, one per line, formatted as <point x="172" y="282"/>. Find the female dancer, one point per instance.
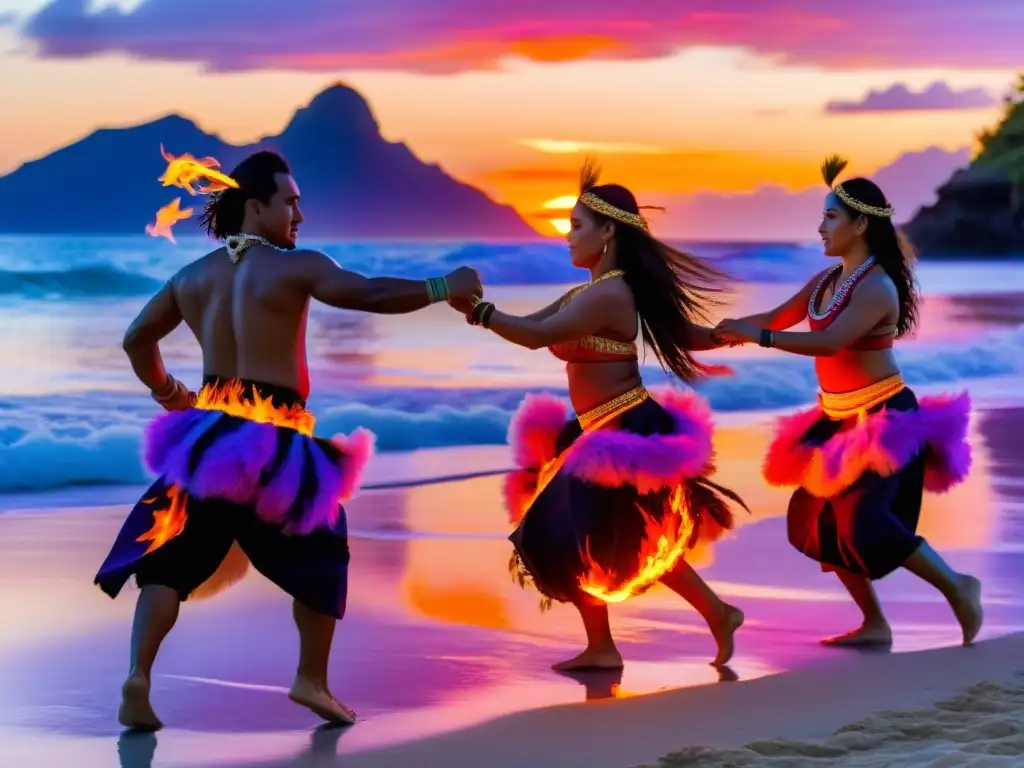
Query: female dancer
<point x="862" y="458"/>
<point x="608" y="502"/>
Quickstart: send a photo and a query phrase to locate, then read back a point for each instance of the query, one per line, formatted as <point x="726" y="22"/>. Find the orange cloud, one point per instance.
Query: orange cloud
<point x="569" y="147"/>
<point x="676" y="172"/>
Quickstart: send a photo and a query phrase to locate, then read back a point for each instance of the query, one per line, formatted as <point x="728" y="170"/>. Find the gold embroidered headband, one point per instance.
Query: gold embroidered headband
<point x="830" y="169"/>
<point x="595" y="203"/>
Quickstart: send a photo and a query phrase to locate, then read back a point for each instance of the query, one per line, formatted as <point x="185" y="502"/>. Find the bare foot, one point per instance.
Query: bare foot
<point x="723" y="631"/>
<point x="874" y="634"/>
<point x="967" y="608"/>
<point x="136" y="713"/>
<point x="591" y="660"/>
<point x="318" y="700"/>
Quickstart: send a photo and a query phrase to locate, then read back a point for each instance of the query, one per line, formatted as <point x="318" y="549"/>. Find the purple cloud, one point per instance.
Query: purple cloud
<point x="899" y="98"/>
<point x="455" y="35"/>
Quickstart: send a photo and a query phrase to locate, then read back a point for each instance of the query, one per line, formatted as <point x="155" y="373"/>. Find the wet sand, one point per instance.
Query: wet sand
<point x="443" y="655"/>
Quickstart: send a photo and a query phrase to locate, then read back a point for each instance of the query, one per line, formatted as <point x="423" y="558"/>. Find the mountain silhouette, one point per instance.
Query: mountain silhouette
<point x="354" y="184"/>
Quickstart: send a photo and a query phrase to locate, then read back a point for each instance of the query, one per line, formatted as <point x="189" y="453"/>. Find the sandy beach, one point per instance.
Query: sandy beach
<point x="943" y="707"/>
<point x="445" y="658"/>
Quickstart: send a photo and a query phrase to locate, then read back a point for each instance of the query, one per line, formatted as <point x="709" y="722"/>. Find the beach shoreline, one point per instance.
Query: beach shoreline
<point x="710" y="725"/>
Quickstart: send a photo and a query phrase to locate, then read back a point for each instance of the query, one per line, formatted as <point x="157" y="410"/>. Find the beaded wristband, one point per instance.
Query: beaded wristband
<point x="437" y="289"/>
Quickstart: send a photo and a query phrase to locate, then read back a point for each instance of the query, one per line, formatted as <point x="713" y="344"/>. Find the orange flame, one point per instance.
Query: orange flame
<point x="166" y="218"/>
<point x="167" y="522"/>
<point x="663" y="546"/>
<point x="231" y="398"/>
<point x="184" y="171"/>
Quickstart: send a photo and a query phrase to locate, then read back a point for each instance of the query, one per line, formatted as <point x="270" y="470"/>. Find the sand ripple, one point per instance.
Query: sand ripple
<point x="982" y="727"/>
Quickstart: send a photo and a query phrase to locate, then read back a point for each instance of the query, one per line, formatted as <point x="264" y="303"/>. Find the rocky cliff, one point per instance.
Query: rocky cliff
<point x="980" y="210"/>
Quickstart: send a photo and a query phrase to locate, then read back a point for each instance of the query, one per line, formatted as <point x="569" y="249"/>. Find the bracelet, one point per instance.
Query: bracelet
<point x="437" y="289"/>
<point x="481" y="313"/>
<point x="485" y="319"/>
<point x="767" y="338"/>
<point x="170" y="389"/>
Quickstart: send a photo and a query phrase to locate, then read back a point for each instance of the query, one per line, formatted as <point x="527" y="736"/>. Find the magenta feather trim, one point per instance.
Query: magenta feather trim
<point x="884" y="443"/>
<point x="609" y="458"/>
<point x="238" y="465"/>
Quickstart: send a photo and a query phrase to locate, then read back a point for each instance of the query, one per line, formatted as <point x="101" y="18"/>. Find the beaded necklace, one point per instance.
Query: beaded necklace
<point x="840" y="294"/>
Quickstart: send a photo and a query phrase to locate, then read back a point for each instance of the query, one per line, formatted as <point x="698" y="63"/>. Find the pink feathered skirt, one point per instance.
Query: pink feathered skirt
<point x="860" y="481"/>
<point x="603" y="514"/>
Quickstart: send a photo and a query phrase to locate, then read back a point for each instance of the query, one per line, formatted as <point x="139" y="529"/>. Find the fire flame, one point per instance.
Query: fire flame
<point x="166" y="218"/>
<point x="663" y="546"/>
<point x="231" y="398"/>
<point x="169" y="521"/>
<point x="184" y="171"/>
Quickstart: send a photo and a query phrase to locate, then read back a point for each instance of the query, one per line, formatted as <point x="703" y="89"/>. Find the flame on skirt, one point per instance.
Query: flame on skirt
<point x="664" y="543"/>
<point x="185" y="171"/>
<point x="232" y="398"/>
<point x="168" y="521"/>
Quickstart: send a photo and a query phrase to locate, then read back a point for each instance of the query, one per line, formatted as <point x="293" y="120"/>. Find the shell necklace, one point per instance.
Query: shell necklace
<point x="237" y="245"/>
<point x="840" y="294"/>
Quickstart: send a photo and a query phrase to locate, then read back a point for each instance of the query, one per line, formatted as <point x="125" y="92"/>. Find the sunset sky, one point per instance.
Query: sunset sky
<point x="676" y="97"/>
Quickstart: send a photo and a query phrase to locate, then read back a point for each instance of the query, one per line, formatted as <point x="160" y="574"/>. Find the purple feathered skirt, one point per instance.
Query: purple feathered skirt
<point x="604" y="513"/>
<point x="860" y="480"/>
<point x="240" y="479"/>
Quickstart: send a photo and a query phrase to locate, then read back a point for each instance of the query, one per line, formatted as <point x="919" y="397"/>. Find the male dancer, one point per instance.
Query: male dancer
<point x="237" y="463"/>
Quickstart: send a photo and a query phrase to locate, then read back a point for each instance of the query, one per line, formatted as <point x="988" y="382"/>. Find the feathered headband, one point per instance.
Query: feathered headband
<point x="589" y="175"/>
<point x="830" y="170"/>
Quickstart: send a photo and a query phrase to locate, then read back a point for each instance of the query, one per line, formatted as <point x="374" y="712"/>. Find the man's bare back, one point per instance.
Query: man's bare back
<point x="250" y="318"/>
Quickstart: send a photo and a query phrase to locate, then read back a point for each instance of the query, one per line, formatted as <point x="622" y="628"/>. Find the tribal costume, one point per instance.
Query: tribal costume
<point x="242" y="467"/>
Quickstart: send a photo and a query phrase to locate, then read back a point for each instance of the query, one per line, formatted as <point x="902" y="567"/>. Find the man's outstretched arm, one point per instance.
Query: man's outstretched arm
<point x="141" y="341"/>
<point x="343" y="289"/>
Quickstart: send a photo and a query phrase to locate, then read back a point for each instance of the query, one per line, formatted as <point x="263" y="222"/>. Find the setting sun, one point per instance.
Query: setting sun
<point x="561" y="203"/>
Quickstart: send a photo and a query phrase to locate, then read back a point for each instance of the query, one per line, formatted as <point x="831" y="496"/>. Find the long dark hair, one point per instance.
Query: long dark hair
<point x="893" y="252"/>
<point x="672" y="289"/>
<point x="256" y="176"/>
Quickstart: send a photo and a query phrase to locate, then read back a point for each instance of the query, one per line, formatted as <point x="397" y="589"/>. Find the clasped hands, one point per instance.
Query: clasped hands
<point x="733" y="332"/>
<point x="464" y="290"/>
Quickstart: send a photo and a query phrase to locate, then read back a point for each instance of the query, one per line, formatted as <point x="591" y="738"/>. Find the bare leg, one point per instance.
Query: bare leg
<point x="962" y="591"/>
<point x="723" y="619"/>
<point x="875" y="631"/>
<point x="156" y="610"/>
<point x="310" y="689"/>
<point x="600" y="652"/>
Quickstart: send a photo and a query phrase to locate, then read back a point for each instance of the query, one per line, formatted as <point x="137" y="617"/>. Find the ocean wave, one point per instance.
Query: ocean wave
<point x="95" y="281"/>
<point x="98" y="267"/>
<point x="95" y="438"/>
